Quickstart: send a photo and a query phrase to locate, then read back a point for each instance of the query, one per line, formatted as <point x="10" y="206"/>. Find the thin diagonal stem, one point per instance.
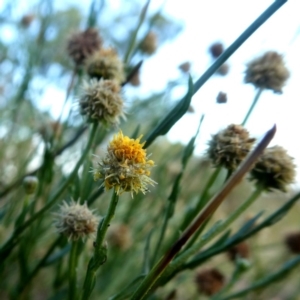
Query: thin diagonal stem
<point x="255" y="100"/>
<point x="238" y="42"/>
<point x="211" y="207"/>
<point x="100" y="250"/>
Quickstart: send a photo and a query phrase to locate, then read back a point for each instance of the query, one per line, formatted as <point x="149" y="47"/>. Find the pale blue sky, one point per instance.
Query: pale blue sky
<point x="217" y="20"/>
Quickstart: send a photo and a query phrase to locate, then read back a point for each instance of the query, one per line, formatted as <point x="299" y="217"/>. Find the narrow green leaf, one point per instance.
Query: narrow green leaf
<point x="269" y="279"/>
<point x="174" y="115"/>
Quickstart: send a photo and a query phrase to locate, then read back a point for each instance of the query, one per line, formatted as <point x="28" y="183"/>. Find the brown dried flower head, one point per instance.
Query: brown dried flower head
<point x="222" y="97"/>
<point x="274" y="169"/>
<point x="230" y="146"/>
<point x="106" y="64"/>
<point x="216" y="49"/>
<point x="292" y="241"/>
<point x="209" y="281"/>
<point x="149" y="43"/>
<point x="240" y="250"/>
<point x="82" y="45"/>
<point x="223" y="70"/>
<point x="27" y="20"/>
<point x="267" y="72"/>
<point x="185" y="67"/>
<point x="100" y="100"/>
<point x="76" y="221"/>
<point x="119" y="236"/>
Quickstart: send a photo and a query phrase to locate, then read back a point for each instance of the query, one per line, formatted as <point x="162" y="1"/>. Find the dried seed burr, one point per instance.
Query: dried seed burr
<point x="149" y="43"/>
<point x="209" y="281"/>
<point x="230" y="146"/>
<point x="292" y="241"/>
<point x="267" y="72"/>
<point x="223" y="70"/>
<point x="119" y="236"/>
<point x="216" y="49"/>
<point x="82" y="45"/>
<point x="27" y="20"/>
<point x="185" y="67"/>
<point x="240" y="250"/>
<point x="106" y="64"/>
<point x="126" y="166"/>
<point x="222" y="97"/>
<point x="274" y="169"/>
<point x="76" y="221"/>
<point x="100" y="100"/>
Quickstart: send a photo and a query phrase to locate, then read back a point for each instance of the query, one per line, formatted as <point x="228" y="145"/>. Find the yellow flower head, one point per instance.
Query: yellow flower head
<point x="126" y="166"/>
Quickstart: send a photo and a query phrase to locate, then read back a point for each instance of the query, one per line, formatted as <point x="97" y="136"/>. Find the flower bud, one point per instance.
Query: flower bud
<point x="30" y="184"/>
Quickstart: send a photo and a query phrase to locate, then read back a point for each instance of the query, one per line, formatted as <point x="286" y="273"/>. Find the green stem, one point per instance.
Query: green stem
<point x="204" y="196"/>
<point x="162" y="232"/>
<point x="134" y="35"/>
<point x="207" y="212"/>
<point x="181" y="259"/>
<point x="100" y="251"/>
<point x="238" y="42"/>
<point x="268" y="280"/>
<point x="8" y="246"/>
<point x="73" y="260"/>
<point x="255" y="100"/>
<point x="39" y="265"/>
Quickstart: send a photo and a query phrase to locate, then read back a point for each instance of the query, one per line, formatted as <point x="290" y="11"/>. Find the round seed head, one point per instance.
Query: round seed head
<point x="222" y="97"/>
<point x="230" y="146"/>
<point x="240" y="250"/>
<point x="76" y="221"/>
<point x="267" y="72"/>
<point x="216" y="49"/>
<point x="209" y="281"/>
<point x="82" y="45"/>
<point x="149" y="43"/>
<point x="274" y="169"/>
<point x="292" y="241"/>
<point x="119" y="236"/>
<point x="106" y="64"/>
<point x="100" y="100"/>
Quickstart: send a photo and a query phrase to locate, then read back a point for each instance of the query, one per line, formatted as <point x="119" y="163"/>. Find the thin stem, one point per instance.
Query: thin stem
<point x="255" y="100"/>
<point x="203" y="198"/>
<point x="207" y="212"/>
<point x="224" y="225"/>
<point x="162" y="232"/>
<point x="7" y="247"/>
<point x="40" y="264"/>
<point x="134" y="35"/>
<point x="238" y="42"/>
<point x="100" y="251"/>
<point x="73" y="259"/>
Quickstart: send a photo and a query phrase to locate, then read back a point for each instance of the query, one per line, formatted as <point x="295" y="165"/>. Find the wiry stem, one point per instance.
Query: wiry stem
<point x="255" y="100"/>
<point x="100" y="252"/>
<point x="211" y="207"/>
